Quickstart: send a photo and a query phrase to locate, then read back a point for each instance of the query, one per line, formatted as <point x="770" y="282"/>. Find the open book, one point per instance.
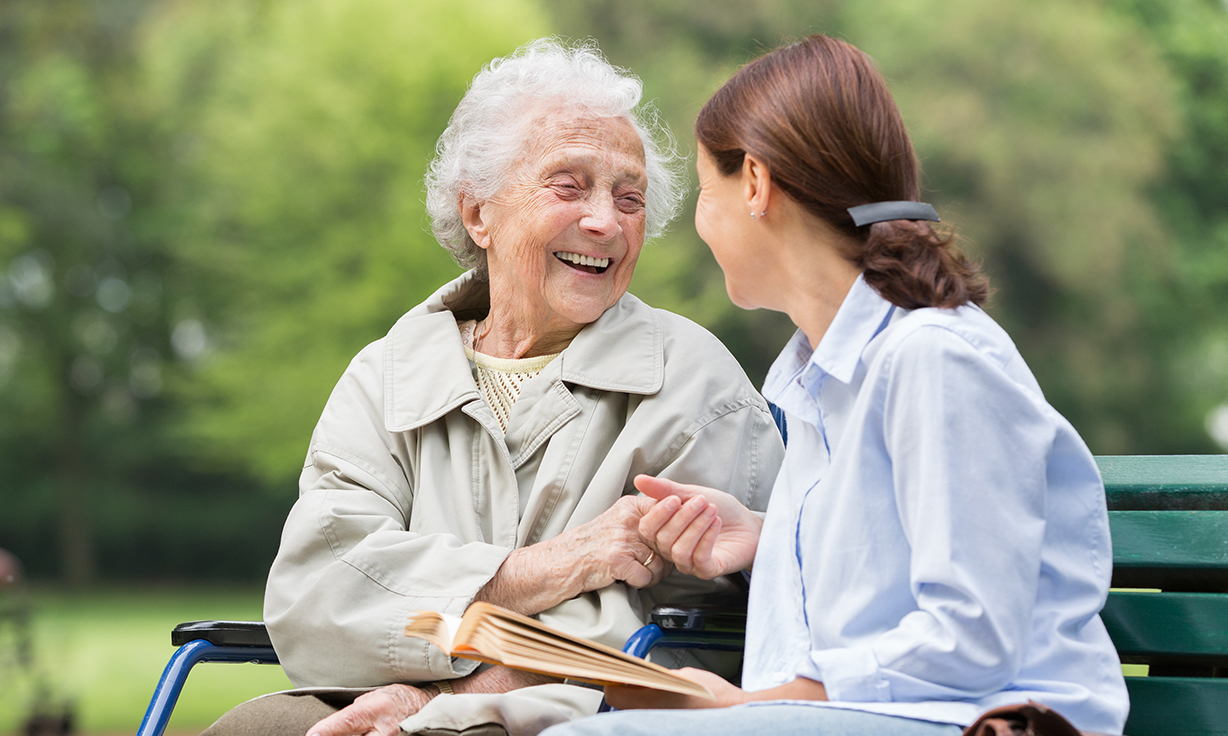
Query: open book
<point x="492" y="634"/>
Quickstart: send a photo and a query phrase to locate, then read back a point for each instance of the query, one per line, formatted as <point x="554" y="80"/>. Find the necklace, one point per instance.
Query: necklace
<point x="479" y="333"/>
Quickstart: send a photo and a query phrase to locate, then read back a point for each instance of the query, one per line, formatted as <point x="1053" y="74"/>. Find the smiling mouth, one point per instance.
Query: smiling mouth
<point x="587" y="264"/>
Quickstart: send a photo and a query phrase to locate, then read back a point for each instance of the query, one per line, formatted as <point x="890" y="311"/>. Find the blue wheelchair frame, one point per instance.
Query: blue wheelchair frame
<point x="203" y="641"/>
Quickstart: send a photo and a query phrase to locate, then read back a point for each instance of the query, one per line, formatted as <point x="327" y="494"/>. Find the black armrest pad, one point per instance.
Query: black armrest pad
<point x="222" y="633"/>
<point x="709" y="618"/>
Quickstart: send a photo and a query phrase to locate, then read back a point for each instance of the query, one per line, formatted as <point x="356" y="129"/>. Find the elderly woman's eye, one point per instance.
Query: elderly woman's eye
<point x="568" y="188"/>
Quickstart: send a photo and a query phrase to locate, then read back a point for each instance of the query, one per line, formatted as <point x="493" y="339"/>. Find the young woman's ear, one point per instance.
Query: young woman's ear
<point x="757" y="185"/>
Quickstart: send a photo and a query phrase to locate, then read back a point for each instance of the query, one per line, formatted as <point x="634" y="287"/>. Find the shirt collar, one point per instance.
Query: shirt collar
<point x="862" y="315"/>
<point x="427" y="374"/>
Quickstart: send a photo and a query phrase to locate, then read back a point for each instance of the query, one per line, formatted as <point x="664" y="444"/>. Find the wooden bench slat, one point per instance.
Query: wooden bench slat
<point x="1147" y="627"/>
<point x="1172" y="550"/>
<point x="1177" y="706"/>
<point x="1169" y="482"/>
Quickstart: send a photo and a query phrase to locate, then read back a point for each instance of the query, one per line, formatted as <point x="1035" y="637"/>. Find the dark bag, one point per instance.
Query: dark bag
<point x="1028" y="719"/>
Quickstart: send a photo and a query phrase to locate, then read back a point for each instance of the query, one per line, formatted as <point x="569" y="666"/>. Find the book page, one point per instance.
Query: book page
<point x="437" y="628"/>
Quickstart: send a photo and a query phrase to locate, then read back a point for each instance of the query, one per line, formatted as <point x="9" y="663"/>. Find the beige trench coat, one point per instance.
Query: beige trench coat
<point x="412" y="496"/>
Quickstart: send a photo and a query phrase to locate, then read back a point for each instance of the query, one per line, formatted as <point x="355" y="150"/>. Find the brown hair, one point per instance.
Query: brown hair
<point x="820" y="116"/>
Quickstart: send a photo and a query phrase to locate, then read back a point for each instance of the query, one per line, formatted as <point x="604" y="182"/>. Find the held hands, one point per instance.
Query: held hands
<point x="610" y="548"/>
<point x="703" y="531"/>
<point x="589" y="557"/>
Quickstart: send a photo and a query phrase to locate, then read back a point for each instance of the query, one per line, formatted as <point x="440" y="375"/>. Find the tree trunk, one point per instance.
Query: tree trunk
<point x="78" y="558"/>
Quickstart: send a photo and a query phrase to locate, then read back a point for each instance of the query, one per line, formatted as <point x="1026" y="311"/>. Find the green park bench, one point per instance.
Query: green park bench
<point x="1169" y="605"/>
<point x="1168" y="609"/>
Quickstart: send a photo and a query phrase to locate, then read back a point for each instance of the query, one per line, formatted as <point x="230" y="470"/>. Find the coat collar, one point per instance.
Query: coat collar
<point x="426" y="373"/>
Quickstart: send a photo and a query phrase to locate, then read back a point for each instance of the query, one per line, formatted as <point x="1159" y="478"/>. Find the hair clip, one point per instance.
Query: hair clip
<point x="868" y="214"/>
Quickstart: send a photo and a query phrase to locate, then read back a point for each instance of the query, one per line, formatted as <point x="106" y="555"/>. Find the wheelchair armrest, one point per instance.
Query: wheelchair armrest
<point x="716" y="618"/>
<point x="203" y="641"/>
<point x="720" y="626"/>
<point x="222" y="633"/>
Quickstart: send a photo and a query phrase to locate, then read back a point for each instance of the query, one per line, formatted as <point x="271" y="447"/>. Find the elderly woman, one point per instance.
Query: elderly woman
<point x="484" y="449"/>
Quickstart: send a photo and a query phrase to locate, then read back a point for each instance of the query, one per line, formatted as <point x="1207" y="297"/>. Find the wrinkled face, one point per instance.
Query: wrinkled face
<point x="563" y="234"/>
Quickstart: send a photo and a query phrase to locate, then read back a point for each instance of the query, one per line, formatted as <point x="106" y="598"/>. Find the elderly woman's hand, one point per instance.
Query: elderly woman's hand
<point x="381" y="711"/>
<point x="378" y="712"/>
<point x="603" y="551"/>
<point x="610" y="548"/>
<point x="703" y="531"/>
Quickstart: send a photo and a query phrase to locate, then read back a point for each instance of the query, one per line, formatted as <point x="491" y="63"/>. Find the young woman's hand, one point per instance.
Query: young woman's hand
<point x="627" y="697"/>
<point x="703" y="531"/>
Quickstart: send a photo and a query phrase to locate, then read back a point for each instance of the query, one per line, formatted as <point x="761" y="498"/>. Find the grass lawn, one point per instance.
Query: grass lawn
<point x="104" y="651"/>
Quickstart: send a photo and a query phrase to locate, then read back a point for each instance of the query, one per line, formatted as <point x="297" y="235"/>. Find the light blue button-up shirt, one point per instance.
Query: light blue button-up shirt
<point x="937" y="542"/>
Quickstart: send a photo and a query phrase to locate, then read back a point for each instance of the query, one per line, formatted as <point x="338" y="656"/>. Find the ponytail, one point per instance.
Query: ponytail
<point x="912" y="266"/>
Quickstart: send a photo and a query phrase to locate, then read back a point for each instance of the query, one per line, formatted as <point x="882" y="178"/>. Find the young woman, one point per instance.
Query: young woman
<point x="936" y="544"/>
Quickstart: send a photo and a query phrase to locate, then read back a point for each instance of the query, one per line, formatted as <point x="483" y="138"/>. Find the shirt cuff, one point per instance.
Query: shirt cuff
<point x="848" y="674"/>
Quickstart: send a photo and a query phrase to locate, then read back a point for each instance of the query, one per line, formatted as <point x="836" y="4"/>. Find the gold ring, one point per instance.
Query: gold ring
<point x="651" y="556"/>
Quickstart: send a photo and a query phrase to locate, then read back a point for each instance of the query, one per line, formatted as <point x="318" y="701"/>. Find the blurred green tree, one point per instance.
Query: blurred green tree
<point x="302" y="202"/>
<point x="1192" y="197"/>
<point x="84" y="336"/>
<point x="1043" y="128"/>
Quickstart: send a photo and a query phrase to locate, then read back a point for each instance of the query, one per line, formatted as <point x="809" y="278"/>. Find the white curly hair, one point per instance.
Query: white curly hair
<point x="490" y="130"/>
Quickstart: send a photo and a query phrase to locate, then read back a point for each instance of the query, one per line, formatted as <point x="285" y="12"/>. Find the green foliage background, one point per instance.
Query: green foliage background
<point x="208" y="207"/>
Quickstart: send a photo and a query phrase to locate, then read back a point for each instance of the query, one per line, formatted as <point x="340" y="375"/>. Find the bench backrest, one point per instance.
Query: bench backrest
<point x="1169" y="521"/>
